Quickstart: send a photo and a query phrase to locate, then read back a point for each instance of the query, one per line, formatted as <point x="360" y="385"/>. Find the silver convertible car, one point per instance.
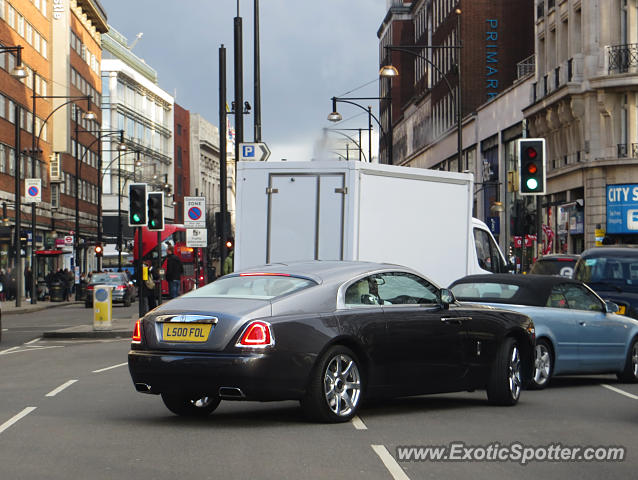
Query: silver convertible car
<point x="576" y="331"/>
<point x="328" y="334"/>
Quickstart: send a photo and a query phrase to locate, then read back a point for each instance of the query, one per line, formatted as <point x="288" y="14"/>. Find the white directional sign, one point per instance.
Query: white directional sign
<point x="253" y="152"/>
<point x="195" y="212"/>
<point x="33" y="189"/>
<point x="196" y="237"/>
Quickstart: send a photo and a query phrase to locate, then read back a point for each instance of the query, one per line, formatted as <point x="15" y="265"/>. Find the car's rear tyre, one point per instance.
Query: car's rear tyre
<point x="505" y="383"/>
<point x="543" y="365"/>
<point x="630" y="373"/>
<point x="335" y="387"/>
<point x="190" y="405"/>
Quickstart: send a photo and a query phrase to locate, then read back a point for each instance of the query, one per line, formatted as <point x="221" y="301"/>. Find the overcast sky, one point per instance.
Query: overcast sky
<point x="310" y="51"/>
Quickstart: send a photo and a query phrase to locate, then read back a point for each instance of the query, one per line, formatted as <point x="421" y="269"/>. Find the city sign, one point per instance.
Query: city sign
<point x="33" y="190"/>
<point x="622" y="208"/>
<point x="195" y="212"/>
<point x="196" y="237"/>
<point x="253" y="152"/>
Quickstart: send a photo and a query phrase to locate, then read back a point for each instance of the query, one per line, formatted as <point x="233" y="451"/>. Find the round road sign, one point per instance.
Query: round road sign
<point x="33" y="191"/>
<point x="194" y="213"/>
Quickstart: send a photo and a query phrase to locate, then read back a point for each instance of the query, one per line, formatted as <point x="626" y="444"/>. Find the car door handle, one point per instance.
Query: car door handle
<point x="583" y="323"/>
<point x="454" y="319"/>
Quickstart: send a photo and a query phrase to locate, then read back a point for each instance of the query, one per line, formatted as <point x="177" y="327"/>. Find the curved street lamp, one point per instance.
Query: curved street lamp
<point x="358" y="144"/>
<point x="335" y="116"/>
<point x="389" y="71"/>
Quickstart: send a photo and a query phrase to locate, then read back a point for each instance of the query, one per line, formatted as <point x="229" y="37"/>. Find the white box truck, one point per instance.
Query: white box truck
<point x="349" y="210"/>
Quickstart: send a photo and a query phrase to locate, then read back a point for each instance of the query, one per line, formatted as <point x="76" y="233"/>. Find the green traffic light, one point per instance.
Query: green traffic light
<point x="136" y="217"/>
<point x="532" y="183"/>
<point x="153" y="223"/>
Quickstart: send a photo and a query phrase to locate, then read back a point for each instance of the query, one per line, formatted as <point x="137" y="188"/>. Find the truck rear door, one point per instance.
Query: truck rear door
<point x="305" y="217"/>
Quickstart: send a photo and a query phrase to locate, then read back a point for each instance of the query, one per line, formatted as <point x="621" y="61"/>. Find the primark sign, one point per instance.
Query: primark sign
<point x="622" y="208"/>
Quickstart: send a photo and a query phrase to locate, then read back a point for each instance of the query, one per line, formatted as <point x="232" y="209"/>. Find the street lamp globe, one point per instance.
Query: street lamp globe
<point x="89" y="116"/>
<point x="121" y="147"/>
<point x="335" y="117"/>
<point x="19" y="72"/>
<point x="389" y="71"/>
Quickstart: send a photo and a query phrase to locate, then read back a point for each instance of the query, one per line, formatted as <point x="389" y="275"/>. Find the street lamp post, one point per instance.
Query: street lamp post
<point x="335" y="116"/>
<point x="358" y="144"/>
<point x="389" y="71"/>
<point x="18" y="72"/>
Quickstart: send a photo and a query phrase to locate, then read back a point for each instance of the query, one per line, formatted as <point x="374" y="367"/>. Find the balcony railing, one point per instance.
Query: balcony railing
<point x="621" y="57"/>
<point x="526" y="67"/>
<point x="634" y="150"/>
<point x="622" y="150"/>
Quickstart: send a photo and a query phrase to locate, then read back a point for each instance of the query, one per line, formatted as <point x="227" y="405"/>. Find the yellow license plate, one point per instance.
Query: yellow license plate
<point x="621" y="309"/>
<point x="185" y="332"/>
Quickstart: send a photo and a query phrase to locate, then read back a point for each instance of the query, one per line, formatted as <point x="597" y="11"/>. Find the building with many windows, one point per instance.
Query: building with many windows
<point x="61" y="52"/>
<point x="584" y="103"/>
<point x="132" y="103"/>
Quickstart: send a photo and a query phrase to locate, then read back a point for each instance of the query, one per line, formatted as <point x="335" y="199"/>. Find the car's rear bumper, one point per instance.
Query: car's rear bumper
<point x="256" y="376"/>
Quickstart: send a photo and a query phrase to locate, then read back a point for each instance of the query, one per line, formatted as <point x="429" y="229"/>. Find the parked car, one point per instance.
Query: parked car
<point x="576" y="331"/>
<point x="123" y="289"/>
<point x="559" y="264"/>
<point x="612" y="272"/>
<point x="329" y="334"/>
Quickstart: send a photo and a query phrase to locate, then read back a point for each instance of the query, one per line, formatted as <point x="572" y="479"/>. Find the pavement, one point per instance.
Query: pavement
<point x="121" y="327"/>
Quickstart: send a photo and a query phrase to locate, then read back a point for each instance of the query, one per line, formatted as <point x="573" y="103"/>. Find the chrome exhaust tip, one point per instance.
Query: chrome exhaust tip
<point x="143" y="387"/>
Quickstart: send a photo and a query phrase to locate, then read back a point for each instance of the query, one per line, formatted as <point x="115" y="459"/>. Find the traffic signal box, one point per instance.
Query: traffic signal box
<point x="531" y="166"/>
<point x="156" y="211"/>
<point x="137" y="205"/>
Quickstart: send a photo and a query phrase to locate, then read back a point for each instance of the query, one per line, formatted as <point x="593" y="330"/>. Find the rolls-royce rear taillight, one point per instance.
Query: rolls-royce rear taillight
<point x="257" y="334"/>
<point x="137" y="332"/>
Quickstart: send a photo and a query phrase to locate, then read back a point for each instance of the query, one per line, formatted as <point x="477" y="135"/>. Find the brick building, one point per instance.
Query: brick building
<point x="181" y="188"/>
<point x="62" y="54"/>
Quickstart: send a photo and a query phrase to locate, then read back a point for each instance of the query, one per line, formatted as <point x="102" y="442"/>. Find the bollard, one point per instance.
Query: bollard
<point x="102" y="308"/>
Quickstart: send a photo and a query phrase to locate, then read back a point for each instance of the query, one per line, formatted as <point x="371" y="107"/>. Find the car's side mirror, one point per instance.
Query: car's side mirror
<point x="446" y="297"/>
<point x="611" y="307"/>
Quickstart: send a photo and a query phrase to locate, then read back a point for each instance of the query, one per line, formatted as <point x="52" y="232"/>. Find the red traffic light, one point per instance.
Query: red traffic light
<point x="98" y="250"/>
<point x="531" y="152"/>
<point x="229" y="244"/>
<point x="532" y="168"/>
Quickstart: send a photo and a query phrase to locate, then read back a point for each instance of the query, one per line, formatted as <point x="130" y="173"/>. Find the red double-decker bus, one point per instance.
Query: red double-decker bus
<point x="193" y="259"/>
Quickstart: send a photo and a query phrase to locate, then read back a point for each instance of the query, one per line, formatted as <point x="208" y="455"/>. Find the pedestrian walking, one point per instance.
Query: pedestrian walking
<point x="174" y="271"/>
<point x="28" y="281"/>
<point x="148" y="286"/>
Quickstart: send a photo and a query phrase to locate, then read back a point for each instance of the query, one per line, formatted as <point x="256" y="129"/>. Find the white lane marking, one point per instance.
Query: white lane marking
<point x="110" y="368"/>
<point x="33" y="341"/>
<point x="390" y="463"/>
<point x="34" y="348"/>
<point x="358" y="423"/>
<point x="618" y="390"/>
<point x="15" y="418"/>
<point x="55" y="391"/>
<point x="8" y="350"/>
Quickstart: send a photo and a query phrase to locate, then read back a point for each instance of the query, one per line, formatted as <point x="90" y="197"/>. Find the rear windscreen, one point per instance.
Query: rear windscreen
<point x="262" y="287"/>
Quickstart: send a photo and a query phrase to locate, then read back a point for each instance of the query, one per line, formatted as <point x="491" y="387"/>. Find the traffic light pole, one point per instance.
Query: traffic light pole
<point x="140" y="250"/>
<point x="159" y="266"/>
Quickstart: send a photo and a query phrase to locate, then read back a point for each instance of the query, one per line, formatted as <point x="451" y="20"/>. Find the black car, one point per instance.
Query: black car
<point x="328" y="334"/>
<point x="558" y="264"/>
<point x="123" y="289"/>
<point x="612" y="272"/>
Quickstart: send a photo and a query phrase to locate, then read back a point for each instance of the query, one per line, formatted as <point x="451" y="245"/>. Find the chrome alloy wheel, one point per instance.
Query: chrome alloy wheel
<point x="542" y="365"/>
<point x="342" y="385"/>
<point x="514" y="373"/>
<point x="634" y="359"/>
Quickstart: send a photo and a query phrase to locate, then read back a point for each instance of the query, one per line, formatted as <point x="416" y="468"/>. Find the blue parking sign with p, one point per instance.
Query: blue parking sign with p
<point x="248" y="151"/>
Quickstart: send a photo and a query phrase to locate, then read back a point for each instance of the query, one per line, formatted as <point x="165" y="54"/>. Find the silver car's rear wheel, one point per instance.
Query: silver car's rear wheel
<point x="335" y="386"/>
<point x="543" y="365"/>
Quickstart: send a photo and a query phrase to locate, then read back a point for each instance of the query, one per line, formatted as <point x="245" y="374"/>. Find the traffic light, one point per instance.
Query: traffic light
<point x="156" y="211"/>
<point x="137" y="205"/>
<point x="531" y="166"/>
<point x="229" y="244"/>
<point x="98" y="250"/>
